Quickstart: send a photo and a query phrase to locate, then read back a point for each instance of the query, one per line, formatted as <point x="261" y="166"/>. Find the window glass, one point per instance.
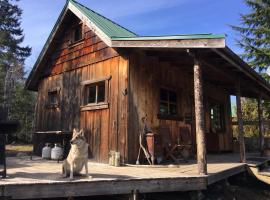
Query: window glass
<point x="91" y="93"/>
<point x="101" y="92"/>
<point x="95" y="93"/>
<point x="168" y="102"/>
<point x="53" y="98"/>
<point x="77" y="33"/>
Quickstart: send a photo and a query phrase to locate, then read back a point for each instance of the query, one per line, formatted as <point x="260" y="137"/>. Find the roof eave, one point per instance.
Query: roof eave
<point x="171" y="43"/>
<point x="242" y="66"/>
<point x="29" y="84"/>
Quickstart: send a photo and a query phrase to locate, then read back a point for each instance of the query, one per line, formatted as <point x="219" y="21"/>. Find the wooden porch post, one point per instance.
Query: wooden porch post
<point x="199" y="119"/>
<point x="261" y="127"/>
<point x="240" y="123"/>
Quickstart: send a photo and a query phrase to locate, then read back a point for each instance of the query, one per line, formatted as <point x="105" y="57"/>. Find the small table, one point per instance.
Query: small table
<point x="5" y="128"/>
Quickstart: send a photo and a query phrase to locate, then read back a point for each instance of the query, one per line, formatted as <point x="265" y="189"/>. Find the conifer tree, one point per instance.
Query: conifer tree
<point x="12" y="53"/>
<point x="255" y="35"/>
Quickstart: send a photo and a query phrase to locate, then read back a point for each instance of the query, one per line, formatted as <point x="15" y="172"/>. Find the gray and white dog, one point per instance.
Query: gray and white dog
<point x="77" y="157"/>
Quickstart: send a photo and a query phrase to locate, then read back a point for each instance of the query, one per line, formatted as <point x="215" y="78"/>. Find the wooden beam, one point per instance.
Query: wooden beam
<point x="102" y="187"/>
<point x="240" y="123"/>
<point x="178" y="43"/>
<point x="199" y="118"/>
<point x="261" y="126"/>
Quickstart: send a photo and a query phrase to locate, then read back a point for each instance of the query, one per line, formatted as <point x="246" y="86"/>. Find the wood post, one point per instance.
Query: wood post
<point x="261" y="127"/>
<point x="199" y="119"/>
<point x="240" y="123"/>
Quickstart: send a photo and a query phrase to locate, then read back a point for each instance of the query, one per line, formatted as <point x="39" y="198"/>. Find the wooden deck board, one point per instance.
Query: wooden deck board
<point x="42" y="178"/>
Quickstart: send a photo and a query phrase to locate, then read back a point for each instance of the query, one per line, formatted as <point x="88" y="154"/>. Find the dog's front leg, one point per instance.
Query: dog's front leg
<point x="86" y="169"/>
<point x="71" y="171"/>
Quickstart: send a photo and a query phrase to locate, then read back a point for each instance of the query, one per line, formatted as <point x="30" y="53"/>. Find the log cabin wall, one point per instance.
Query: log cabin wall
<point x="69" y="66"/>
<point x="147" y="75"/>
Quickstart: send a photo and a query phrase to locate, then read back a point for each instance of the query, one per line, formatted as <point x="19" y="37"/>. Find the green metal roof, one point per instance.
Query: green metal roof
<point x="110" y="28"/>
<point x="173" y="37"/>
<point x="117" y="32"/>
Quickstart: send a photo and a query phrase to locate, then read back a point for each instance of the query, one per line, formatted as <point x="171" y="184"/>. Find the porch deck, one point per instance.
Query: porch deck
<point x="42" y="179"/>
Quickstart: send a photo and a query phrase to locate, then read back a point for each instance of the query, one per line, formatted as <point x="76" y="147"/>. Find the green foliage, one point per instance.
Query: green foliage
<point x="11" y="35"/>
<point x="23" y="110"/>
<point x="255" y="34"/>
<point x="18" y="102"/>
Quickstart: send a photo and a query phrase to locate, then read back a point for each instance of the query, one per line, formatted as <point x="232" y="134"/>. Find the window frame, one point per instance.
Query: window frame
<point x="169" y="116"/>
<point x="49" y="104"/>
<point x="74" y="42"/>
<point x="85" y="106"/>
<point x="222" y="118"/>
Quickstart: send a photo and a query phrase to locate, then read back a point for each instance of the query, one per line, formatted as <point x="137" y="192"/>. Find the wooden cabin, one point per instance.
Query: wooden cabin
<point x="96" y="75"/>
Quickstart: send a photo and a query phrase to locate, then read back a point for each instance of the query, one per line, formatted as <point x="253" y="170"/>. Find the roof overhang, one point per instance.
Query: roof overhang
<point x="174" y="42"/>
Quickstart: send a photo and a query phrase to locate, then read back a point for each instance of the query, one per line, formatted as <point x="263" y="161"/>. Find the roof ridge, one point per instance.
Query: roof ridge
<point x="76" y="2"/>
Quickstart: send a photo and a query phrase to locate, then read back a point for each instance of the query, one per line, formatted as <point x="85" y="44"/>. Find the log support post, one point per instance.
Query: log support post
<point x="261" y="126"/>
<point x="240" y="123"/>
<point x="199" y="118"/>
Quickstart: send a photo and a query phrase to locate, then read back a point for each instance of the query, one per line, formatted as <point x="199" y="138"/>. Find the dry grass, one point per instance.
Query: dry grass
<point x="16" y="148"/>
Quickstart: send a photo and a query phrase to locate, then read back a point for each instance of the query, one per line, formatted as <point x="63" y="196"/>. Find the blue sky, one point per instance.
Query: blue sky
<point x="145" y="17"/>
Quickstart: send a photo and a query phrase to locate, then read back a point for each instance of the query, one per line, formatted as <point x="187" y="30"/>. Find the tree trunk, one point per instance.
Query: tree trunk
<point x="199" y="119"/>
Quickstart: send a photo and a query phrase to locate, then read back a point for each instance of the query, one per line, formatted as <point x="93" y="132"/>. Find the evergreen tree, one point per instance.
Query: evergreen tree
<point x="20" y="103"/>
<point x="12" y="54"/>
<point x="255" y="35"/>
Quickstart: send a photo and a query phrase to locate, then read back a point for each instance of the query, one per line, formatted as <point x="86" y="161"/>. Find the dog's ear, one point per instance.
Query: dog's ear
<point x="74" y="131"/>
<point x="82" y="132"/>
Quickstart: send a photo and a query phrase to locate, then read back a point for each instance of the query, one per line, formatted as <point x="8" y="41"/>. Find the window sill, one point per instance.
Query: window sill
<point x="99" y="106"/>
<point x="170" y="117"/>
<point x="74" y="44"/>
<point x="52" y="106"/>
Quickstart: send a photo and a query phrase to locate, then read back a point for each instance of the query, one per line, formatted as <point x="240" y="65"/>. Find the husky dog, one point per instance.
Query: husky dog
<point x="77" y="157"/>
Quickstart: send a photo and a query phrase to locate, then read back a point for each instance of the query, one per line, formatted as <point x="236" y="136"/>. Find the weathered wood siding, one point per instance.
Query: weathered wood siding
<point x="147" y="75"/>
<point x="70" y="65"/>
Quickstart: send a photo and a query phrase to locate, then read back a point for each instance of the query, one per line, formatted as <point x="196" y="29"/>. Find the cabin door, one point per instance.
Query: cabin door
<point x="216" y="126"/>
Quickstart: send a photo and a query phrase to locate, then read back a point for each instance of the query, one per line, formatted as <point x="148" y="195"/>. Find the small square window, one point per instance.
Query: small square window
<point x="95" y="93"/>
<point x="53" y="98"/>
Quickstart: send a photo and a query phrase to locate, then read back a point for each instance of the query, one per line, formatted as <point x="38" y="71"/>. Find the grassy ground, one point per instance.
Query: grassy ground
<point x="14" y="149"/>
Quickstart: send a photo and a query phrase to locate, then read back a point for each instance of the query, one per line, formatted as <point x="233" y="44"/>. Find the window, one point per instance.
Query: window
<point x="95" y="94"/>
<point x="216" y="118"/>
<point x="77" y="33"/>
<point x="168" y="102"/>
<point x="53" y="98"/>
